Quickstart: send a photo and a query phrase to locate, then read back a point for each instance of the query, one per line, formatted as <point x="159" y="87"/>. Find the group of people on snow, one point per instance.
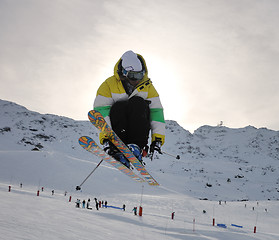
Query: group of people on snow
<point x="98" y="205"/>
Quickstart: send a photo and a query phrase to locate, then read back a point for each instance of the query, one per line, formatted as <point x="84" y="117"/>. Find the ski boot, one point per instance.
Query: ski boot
<point x="136" y="151"/>
<point x="111" y="150"/>
<point x="120" y="157"/>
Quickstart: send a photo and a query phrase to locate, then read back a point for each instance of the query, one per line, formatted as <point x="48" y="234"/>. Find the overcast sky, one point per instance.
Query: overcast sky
<point x="210" y="60"/>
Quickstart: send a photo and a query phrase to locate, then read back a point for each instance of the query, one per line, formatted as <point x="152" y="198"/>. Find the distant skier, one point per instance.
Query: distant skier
<point x="131" y="105"/>
<point x="106" y="204"/>
<point x="124" y="207"/>
<point x="77" y="203"/>
<point x="83" y="203"/>
<point x="97" y="203"/>
<point x="135" y="209"/>
<point x="88" y="204"/>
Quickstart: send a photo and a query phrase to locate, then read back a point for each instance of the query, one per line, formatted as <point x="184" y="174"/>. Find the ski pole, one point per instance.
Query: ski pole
<point x="79" y="186"/>
<point x="152" y="154"/>
<point x="177" y="156"/>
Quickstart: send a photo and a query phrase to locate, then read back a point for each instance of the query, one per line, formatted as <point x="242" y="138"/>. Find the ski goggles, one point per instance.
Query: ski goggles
<point x="132" y="75"/>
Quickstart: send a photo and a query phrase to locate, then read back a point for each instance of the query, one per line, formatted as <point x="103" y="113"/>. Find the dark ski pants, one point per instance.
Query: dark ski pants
<point x="131" y="120"/>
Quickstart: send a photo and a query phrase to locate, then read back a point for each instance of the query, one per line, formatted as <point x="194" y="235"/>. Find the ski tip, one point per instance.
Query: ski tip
<point x="92" y="112"/>
<point x="82" y="138"/>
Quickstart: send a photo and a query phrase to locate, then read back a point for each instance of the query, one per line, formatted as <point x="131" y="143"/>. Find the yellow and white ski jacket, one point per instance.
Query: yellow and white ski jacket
<point x="112" y="90"/>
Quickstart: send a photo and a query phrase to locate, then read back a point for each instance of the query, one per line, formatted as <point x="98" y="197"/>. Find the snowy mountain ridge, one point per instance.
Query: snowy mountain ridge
<point x="216" y="163"/>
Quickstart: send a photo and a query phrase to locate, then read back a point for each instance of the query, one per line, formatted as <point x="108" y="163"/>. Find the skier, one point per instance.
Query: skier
<point x="131" y="105"/>
<point x="88" y="204"/>
<point x="135" y="210"/>
<point x="77" y="203"/>
<point x="97" y="203"/>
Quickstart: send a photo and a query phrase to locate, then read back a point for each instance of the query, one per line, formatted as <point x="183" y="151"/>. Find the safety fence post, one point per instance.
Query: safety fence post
<point x="140" y="211"/>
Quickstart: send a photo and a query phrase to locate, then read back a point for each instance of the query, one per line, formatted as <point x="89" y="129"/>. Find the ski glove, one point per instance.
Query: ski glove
<point x="109" y="148"/>
<point x="106" y="146"/>
<point x="155" y="146"/>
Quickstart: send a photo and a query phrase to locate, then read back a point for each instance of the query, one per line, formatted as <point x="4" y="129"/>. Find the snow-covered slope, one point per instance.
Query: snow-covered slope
<point x="27" y="216"/>
<point x="216" y="163"/>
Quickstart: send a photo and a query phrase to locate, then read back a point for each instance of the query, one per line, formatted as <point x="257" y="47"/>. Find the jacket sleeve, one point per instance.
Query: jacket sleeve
<point x="103" y="102"/>
<point x="156" y="116"/>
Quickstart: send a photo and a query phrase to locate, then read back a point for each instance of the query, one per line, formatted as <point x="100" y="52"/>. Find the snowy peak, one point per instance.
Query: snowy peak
<point x="8" y="107"/>
<point x="31" y="130"/>
<point x="239" y="142"/>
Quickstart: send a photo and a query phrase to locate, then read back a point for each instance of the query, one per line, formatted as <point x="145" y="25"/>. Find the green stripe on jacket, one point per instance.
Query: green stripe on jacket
<point x="157" y="114"/>
<point x="103" y="110"/>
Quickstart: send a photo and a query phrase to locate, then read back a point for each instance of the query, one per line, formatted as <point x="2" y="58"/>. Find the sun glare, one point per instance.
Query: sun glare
<point x="166" y="82"/>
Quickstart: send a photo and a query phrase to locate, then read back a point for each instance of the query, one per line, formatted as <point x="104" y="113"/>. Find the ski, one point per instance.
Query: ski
<point x="99" y="122"/>
<point x="91" y="146"/>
